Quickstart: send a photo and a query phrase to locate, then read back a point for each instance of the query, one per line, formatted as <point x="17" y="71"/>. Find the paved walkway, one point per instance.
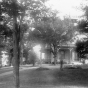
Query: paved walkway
<point x="11" y="72"/>
<point x="26" y="67"/>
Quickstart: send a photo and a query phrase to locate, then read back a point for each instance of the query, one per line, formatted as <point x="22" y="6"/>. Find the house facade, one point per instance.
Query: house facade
<point x="65" y="52"/>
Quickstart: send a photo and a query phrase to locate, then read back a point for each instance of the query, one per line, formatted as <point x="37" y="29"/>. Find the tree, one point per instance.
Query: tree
<point x="83" y="24"/>
<point x="11" y="9"/>
<point x="82" y="49"/>
<point x="32" y="57"/>
<point x="16" y="12"/>
<point x="5" y="33"/>
<point x="25" y="55"/>
<point x="53" y="31"/>
<point x="82" y="46"/>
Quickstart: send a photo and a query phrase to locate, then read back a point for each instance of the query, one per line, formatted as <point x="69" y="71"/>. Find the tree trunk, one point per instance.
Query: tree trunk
<point x="54" y="59"/>
<point x="10" y="60"/>
<point x="40" y="59"/>
<point x="21" y="39"/>
<point x="61" y="60"/>
<point x="61" y="64"/>
<point x="50" y="54"/>
<point x="16" y="51"/>
<point x="55" y="54"/>
<point x="22" y="44"/>
<point x="21" y="54"/>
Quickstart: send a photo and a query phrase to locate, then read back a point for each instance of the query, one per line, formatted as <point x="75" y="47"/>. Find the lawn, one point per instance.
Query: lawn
<point x="49" y="78"/>
<point x="2" y="70"/>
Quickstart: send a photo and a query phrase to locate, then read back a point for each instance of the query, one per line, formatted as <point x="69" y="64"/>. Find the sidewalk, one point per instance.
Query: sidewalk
<point x="11" y="71"/>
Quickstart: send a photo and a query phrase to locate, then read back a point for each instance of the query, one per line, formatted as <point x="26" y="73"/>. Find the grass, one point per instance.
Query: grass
<point x="2" y="70"/>
<point x="48" y="78"/>
<point x="78" y="77"/>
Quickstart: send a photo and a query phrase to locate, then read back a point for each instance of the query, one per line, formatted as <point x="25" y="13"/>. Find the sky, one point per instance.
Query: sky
<point x="67" y="7"/>
<point x="71" y="8"/>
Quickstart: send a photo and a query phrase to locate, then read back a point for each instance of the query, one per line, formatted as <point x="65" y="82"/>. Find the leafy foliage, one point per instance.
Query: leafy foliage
<point x="52" y="31"/>
<point x="82" y="48"/>
<point x="32" y="57"/>
<point x="83" y="26"/>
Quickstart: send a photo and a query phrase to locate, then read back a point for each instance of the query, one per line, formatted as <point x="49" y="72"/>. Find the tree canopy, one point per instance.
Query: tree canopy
<point x="53" y="31"/>
<point x="82" y="49"/>
<point x="82" y="46"/>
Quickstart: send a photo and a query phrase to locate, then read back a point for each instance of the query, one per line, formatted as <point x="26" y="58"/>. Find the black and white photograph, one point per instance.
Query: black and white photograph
<point x="43" y="43"/>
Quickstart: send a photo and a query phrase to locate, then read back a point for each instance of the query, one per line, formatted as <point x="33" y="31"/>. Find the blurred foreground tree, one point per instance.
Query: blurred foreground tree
<point x="10" y="9"/>
<point x="15" y="14"/>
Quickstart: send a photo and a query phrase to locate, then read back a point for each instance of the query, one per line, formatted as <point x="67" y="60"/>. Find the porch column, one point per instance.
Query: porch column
<point x="0" y="61"/>
<point x="70" y="60"/>
<point x="73" y="55"/>
<point x="76" y="57"/>
<point x="40" y="59"/>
